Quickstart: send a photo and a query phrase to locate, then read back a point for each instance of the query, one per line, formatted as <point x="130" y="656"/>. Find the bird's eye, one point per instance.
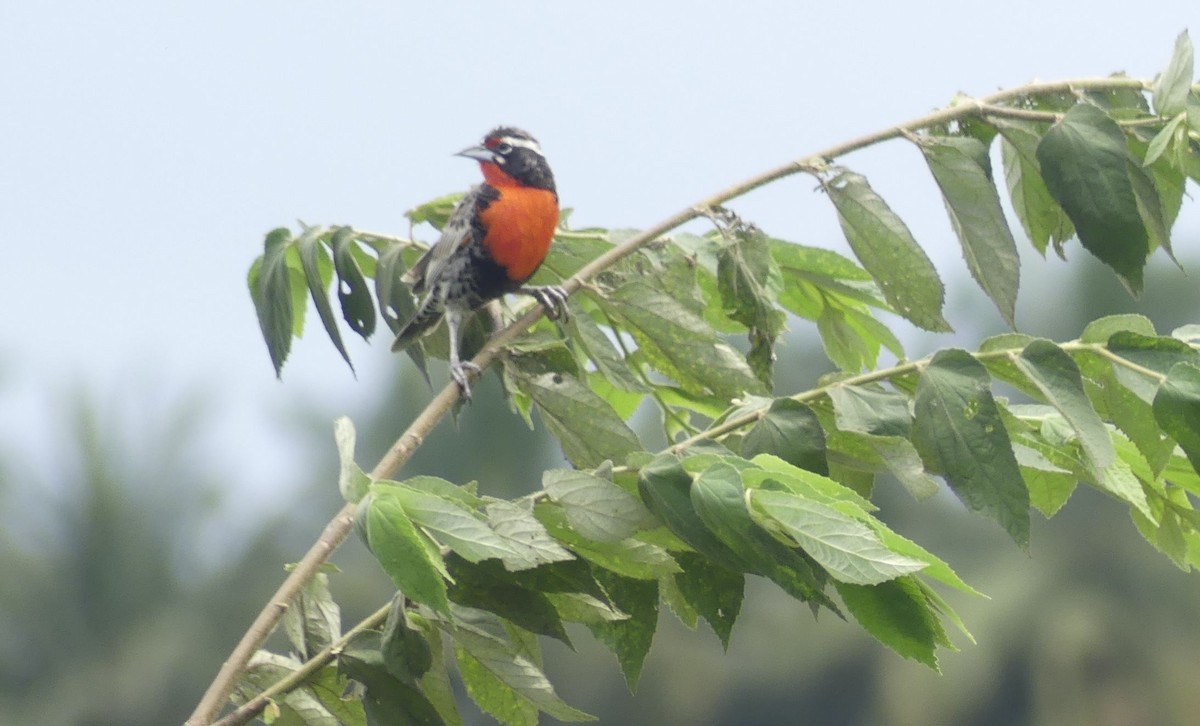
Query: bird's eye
<point x="503" y="147"/>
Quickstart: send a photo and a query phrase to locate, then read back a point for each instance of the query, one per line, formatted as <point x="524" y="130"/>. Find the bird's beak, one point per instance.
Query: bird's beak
<point x="478" y="153"/>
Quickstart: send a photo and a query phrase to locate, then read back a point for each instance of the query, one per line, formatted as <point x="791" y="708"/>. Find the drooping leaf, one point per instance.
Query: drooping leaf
<point x="494" y="672"/>
<point x="595" y="507"/>
<point x="959" y="431"/>
<point x="388" y="699"/>
<point x="271" y="291"/>
<point x="487" y="586"/>
<point x="405" y="650"/>
<point x="629" y="639"/>
<point x="886" y="248"/>
<point x="714" y="591"/>
<point x="352" y="482"/>
<point x="458" y="527"/>
<point x="313" y="620"/>
<point x="396" y="305"/>
<point x="600" y="350"/>
<point x="358" y="308"/>
<point x="791" y="431"/>
<point x="529" y="541"/>
<point x="665" y="488"/>
<point x="1177" y="409"/>
<point x="1173" y="84"/>
<point x="1041" y="217"/>
<point x="1057" y="377"/>
<point x="849" y="550"/>
<point x="747" y="279"/>
<point x="678" y="343"/>
<point x="588" y="429"/>
<point x="397" y="546"/>
<point x="630" y="557"/>
<point x="719" y="500"/>
<point x="963" y="172"/>
<point x="897" y="614"/>
<point x="315" y="261"/>
<point x="1084" y="163"/>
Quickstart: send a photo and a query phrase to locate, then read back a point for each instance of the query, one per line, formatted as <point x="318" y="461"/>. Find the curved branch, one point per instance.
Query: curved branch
<point x="404" y="447"/>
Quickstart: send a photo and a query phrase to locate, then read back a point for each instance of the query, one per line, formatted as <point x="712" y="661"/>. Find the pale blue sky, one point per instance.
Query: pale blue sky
<point x="146" y="147"/>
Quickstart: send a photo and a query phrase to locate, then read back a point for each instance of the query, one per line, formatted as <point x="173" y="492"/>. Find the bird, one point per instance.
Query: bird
<point x="494" y="240"/>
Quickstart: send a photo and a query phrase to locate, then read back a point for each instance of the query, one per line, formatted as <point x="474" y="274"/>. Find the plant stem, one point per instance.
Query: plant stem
<point x="338" y="528"/>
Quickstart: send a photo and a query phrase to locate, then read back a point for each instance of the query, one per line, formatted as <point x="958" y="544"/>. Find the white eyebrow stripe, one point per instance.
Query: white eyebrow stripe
<point x="523" y="143"/>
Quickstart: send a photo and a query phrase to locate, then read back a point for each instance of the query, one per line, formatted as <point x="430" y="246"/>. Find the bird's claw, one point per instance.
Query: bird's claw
<point x="461" y="373"/>
<point x="554" y="299"/>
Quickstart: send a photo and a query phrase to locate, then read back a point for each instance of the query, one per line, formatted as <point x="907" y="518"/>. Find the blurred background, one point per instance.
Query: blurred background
<point x="155" y="476"/>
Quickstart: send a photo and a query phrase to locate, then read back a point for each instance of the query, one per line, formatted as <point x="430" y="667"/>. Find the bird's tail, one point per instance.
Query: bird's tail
<point x="423" y="321"/>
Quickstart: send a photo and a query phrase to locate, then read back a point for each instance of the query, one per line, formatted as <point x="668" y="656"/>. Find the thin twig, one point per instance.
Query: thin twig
<point x="337" y="529"/>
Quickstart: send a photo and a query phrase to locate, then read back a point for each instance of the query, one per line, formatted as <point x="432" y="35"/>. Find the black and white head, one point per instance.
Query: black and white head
<point x="509" y="155"/>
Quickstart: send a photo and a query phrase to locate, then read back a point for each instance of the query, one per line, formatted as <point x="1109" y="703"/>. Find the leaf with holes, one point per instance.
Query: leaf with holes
<point x="318" y="273"/>
<point x="358" y="309"/>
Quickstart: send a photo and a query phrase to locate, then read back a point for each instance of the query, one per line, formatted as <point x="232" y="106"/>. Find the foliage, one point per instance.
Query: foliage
<point x="758" y="482"/>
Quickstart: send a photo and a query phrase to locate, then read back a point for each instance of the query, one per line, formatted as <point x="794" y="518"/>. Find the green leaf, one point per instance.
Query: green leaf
<point x="396" y="304"/>
<point x="1057" y="377"/>
<point x="886" y="248"/>
<point x="309" y="704"/>
<point x="791" y="431"/>
<point x="436" y="681"/>
<point x="313" y="620"/>
<point x="1163" y="139"/>
<point x="397" y="546"/>
<point x="271" y="291"/>
<point x="678" y="343"/>
<point x="530" y="544"/>
<point x="898" y="615"/>
<point x="665" y="488"/>
<point x="588" y="429"/>
<point x="328" y="686"/>
<point x="719" y="500"/>
<point x="504" y="682"/>
<point x="629" y="557"/>
<point x="585" y="332"/>
<point x="958" y="429"/>
<point x="747" y="280"/>
<point x="1172" y="86"/>
<point x="1041" y="217"/>
<point x="849" y="550"/>
<point x="388" y="700"/>
<point x="1049" y="486"/>
<point x="352" y="482"/>
<point x="871" y="410"/>
<point x="436" y="211"/>
<point x="1177" y="409"/>
<point x="1084" y="162"/>
<point x="315" y="262"/>
<point x="714" y="591"/>
<point x="1101" y="329"/>
<point x="595" y="507"/>
<point x="358" y="308"/>
<point x="629" y="639"/>
<point x="405" y="650"/>
<point x="487" y="586"/>
<point x="451" y="524"/>
<point x="963" y="172"/>
<point x="1150" y="207"/>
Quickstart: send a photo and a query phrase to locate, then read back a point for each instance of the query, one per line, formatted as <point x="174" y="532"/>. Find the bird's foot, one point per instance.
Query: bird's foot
<point x="461" y="373"/>
<point x="553" y="298"/>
